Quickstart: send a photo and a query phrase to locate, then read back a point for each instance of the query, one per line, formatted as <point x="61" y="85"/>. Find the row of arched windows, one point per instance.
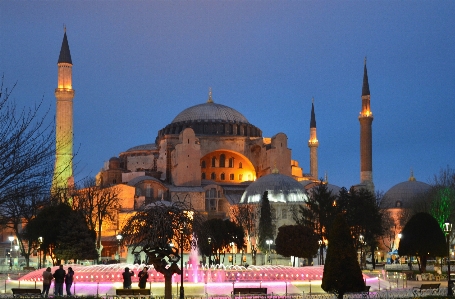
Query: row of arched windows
<point x="222" y="162"/>
<point x="223" y="176"/>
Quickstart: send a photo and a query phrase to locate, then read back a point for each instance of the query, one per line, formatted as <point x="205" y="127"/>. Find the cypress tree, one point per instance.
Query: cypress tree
<point x="342" y="272"/>
<point x="265" y="223"/>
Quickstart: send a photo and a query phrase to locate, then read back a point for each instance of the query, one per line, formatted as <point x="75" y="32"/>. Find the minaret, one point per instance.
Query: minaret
<point x="313" y="144"/>
<point x="366" y="138"/>
<point x="64" y="93"/>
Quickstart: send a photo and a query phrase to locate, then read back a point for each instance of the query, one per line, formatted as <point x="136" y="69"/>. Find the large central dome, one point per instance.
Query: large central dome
<point x="210" y="111"/>
<point x="210" y="119"/>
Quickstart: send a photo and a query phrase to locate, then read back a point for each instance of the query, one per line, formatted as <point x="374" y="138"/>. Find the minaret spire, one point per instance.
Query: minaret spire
<point x="366" y="135"/>
<point x="64" y="93"/>
<point x="313" y="144"/>
<point x="365" y="86"/>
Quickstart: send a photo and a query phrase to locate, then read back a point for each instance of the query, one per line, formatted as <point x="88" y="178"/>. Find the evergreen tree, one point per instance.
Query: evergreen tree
<point x="342" y="272"/>
<point x="265" y="223"/>
<point x="296" y="240"/>
<point x="422" y="237"/>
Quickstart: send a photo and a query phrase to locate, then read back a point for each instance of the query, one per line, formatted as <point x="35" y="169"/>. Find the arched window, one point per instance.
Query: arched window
<point x="222" y="176"/>
<point x="222" y="160"/>
<point x="203" y="164"/>
<point x="148" y="191"/>
<point x="231" y="176"/>
<point x="231" y="162"/>
<point x="240" y="165"/>
<point x="213" y="162"/>
<point x="203" y="176"/>
<point x="213" y="176"/>
<point x="240" y="177"/>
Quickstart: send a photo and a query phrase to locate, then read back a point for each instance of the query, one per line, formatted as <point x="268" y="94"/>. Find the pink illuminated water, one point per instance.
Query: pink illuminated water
<point x="104" y="279"/>
<point x="192" y="273"/>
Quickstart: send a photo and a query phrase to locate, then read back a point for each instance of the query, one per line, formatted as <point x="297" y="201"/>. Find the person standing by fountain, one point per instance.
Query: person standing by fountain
<point x="69" y="280"/>
<point x="59" y="276"/>
<point x="47" y="279"/>
<point x="127" y="278"/>
<point x="143" y="276"/>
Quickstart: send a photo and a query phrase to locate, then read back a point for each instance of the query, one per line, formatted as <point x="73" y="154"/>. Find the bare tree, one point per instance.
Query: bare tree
<point x="26" y="147"/>
<point x="27" y="153"/>
<point x="97" y="204"/>
<point x="152" y="230"/>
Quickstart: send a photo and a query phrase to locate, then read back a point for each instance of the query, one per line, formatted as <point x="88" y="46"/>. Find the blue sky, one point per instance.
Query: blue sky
<point x="137" y="64"/>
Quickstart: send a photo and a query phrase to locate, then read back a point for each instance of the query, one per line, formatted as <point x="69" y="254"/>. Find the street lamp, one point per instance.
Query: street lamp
<point x="269" y="242"/>
<point x="448" y="231"/>
<point x="40" y="241"/>
<point x="232" y="252"/>
<point x="320" y="252"/>
<point x="11" y="239"/>
<point x="182" y="290"/>
<point x="361" y="238"/>
<point x="119" y="241"/>
<point x="210" y="251"/>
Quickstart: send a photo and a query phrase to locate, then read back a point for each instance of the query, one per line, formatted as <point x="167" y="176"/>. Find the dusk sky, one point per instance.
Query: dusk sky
<point x="137" y="64"/>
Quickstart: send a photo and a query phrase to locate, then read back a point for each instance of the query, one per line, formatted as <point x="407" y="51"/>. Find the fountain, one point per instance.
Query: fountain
<point x="218" y="279"/>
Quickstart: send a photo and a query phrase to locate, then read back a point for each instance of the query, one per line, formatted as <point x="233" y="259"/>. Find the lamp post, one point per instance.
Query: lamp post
<point x="210" y="251"/>
<point x="448" y="231"/>
<point x="361" y="238"/>
<point x="119" y="241"/>
<point x="269" y="242"/>
<point x="182" y="290"/>
<point x="11" y="239"/>
<point x="40" y="241"/>
<point x="232" y="252"/>
<point x="320" y="252"/>
<point x="16" y="248"/>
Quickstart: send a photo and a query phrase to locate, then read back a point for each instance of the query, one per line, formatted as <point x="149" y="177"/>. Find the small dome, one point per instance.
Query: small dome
<point x="210" y="111"/>
<point x="281" y="188"/>
<point x="402" y="194"/>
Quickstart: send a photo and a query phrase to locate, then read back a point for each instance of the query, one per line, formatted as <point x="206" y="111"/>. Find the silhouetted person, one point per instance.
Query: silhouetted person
<point x="127" y="278"/>
<point x="59" y="276"/>
<point x="143" y="276"/>
<point x="69" y="280"/>
<point x="47" y="280"/>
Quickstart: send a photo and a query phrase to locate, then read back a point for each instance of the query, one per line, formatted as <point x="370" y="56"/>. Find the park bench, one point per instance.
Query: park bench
<point x="133" y="293"/>
<point x="432" y="288"/>
<point x="17" y="292"/>
<point x="249" y="291"/>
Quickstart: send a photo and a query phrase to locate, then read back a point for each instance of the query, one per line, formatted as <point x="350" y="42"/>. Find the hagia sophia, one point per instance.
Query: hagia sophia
<point x="212" y="157"/>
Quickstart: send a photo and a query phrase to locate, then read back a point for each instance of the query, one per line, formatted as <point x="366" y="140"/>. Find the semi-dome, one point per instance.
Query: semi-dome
<point x="210" y="111"/>
<point x="402" y="194"/>
<point x="281" y="188"/>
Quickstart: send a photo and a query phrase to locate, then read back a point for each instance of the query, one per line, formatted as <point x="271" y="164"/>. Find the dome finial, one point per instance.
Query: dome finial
<point x="275" y="170"/>
<point x="326" y="178"/>
<point x="210" y="96"/>
<point x="64" y="28"/>
<point x="412" y="178"/>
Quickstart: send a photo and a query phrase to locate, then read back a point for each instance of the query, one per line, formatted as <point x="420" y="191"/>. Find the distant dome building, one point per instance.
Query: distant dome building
<point x="281" y="189"/>
<point x="402" y="194"/>
<point x="284" y="194"/>
<point x="400" y="198"/>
